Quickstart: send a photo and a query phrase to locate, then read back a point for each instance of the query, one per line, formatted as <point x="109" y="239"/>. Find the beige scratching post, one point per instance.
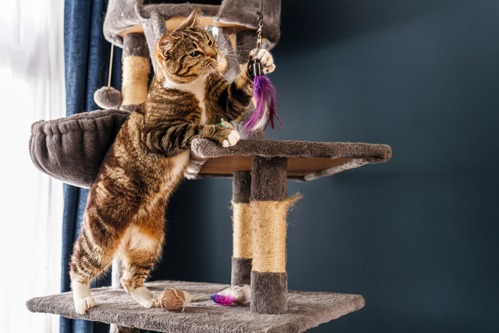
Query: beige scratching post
<point x="269" y="206"/>
<point x="135" y="72"/>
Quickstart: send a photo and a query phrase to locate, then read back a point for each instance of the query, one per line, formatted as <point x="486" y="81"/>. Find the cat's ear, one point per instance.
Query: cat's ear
<point x="191" y="21"/>
<point x="165" y="44"/>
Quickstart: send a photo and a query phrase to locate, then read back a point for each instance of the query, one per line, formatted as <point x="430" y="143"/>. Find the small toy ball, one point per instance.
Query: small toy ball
<point x="174" y="300"/>
<point x="107" y="98"/>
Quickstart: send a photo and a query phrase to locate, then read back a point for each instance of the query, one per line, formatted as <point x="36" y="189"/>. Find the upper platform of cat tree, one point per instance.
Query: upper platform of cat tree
<point x="130" y="16"/>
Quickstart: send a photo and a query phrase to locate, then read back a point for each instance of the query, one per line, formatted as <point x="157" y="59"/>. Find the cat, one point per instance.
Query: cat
<point x="127" y="201"/>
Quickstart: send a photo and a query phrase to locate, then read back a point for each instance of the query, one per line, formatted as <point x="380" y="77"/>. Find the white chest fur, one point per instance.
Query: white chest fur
<point x="197" y="88"/>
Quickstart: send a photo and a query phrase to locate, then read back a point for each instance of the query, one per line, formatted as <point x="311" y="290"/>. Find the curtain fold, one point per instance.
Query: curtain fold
<point x="86" y="60"/>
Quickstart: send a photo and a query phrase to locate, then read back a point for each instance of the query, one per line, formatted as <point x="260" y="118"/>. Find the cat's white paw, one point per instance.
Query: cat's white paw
<point x="265" y="59"/>
<point x="83" y="305"/>
<point x="81" y="297"/>
<point x="144" y="297"/>
<point x="232" y="139"/>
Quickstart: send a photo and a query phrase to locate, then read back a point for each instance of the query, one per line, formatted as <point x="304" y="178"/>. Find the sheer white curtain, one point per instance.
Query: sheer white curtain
<point x="31" y="88"/>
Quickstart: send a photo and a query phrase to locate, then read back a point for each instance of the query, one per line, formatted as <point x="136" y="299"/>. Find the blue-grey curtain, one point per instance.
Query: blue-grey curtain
<point x="86" y="60"/>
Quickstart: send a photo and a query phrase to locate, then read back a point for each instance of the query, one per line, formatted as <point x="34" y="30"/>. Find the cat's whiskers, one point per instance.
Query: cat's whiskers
<point x="228" y="38"/>
<point x="225" y="42"/>
<point x="236" y="55"/>
<point x="230" y="51"/>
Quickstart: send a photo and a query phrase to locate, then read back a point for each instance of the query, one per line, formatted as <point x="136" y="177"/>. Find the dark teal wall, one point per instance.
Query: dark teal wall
<point x="418" y="236"/>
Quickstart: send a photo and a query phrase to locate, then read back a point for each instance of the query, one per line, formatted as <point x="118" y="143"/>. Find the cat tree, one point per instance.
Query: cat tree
<point x="71" y="149"/>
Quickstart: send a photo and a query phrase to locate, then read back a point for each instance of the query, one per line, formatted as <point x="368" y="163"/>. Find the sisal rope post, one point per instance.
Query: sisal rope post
<point x="269" y="204"/>
<point x="242" y="247"/>
<point x="270" y="230"/>
<point x="136" y="68"/>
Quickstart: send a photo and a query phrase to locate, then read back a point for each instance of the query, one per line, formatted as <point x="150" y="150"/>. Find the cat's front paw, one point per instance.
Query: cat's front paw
<point x="83" y="305"/>
<point x="231" y="139"/>
<point x="265" y="59"/>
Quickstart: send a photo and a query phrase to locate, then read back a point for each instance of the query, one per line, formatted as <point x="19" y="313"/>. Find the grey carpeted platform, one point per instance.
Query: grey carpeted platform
<point x="306" y="310"/>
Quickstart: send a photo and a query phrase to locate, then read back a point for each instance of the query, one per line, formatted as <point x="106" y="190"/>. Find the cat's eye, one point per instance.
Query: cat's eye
<point x="195" y="54"/>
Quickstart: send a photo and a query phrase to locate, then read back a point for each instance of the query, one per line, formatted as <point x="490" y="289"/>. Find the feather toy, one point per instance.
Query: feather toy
<point x="238" y="294"/>
<point x="263" y="91"/>
<point x="224" y="300"/>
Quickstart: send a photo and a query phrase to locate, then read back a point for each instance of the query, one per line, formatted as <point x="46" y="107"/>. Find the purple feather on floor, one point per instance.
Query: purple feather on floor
<point x="223" y="300"/>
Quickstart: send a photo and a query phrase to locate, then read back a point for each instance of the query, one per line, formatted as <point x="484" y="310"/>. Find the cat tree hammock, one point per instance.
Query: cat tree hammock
<point x="71" y="149"/>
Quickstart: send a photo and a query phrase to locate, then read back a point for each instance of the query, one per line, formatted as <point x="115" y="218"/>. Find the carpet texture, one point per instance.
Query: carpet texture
<point x="305" y="310"/>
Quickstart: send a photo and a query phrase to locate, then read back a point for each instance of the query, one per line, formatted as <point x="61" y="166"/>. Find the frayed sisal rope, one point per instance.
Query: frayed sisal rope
<point x="135" y="79"/>
<point x="269" y="234"/>
<point x="241" y="231"/>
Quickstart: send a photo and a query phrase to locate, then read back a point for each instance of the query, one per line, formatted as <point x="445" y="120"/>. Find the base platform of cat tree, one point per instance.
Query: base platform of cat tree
<point x="305" y="310"/>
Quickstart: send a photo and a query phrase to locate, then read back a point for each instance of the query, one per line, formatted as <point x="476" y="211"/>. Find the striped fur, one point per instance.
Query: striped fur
<point x="126" y="204"/>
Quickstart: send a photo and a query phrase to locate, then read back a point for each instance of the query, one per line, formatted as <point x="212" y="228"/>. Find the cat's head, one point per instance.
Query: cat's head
<point x="187" y="53"/>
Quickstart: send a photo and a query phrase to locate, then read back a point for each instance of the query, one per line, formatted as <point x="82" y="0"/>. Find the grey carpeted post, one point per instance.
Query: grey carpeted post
<point x="242" y="251"/>
<point x="269" y="204"/>
<point x="154" y="29"/>
<point x="136" y="68"/>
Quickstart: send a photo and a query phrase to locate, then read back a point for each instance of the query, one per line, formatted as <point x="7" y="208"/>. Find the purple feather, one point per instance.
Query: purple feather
<point x="223" y="300"/>
<point x="265" y="109"/>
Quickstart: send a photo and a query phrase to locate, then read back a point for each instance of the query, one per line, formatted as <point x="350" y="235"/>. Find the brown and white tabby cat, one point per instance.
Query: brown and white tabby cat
<point x="126" y="204"/>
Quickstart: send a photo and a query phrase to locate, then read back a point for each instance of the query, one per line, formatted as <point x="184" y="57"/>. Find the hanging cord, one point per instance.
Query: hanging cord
<point x="260" y="27"/>
<point x="108" y="97"/>
<point x="255" y="66"/>
<point x="111" y="56"/>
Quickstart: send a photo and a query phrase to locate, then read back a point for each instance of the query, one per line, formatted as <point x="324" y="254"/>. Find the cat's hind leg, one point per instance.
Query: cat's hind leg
<point x="89" y="260"/>
<point x="138" y="258"/>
